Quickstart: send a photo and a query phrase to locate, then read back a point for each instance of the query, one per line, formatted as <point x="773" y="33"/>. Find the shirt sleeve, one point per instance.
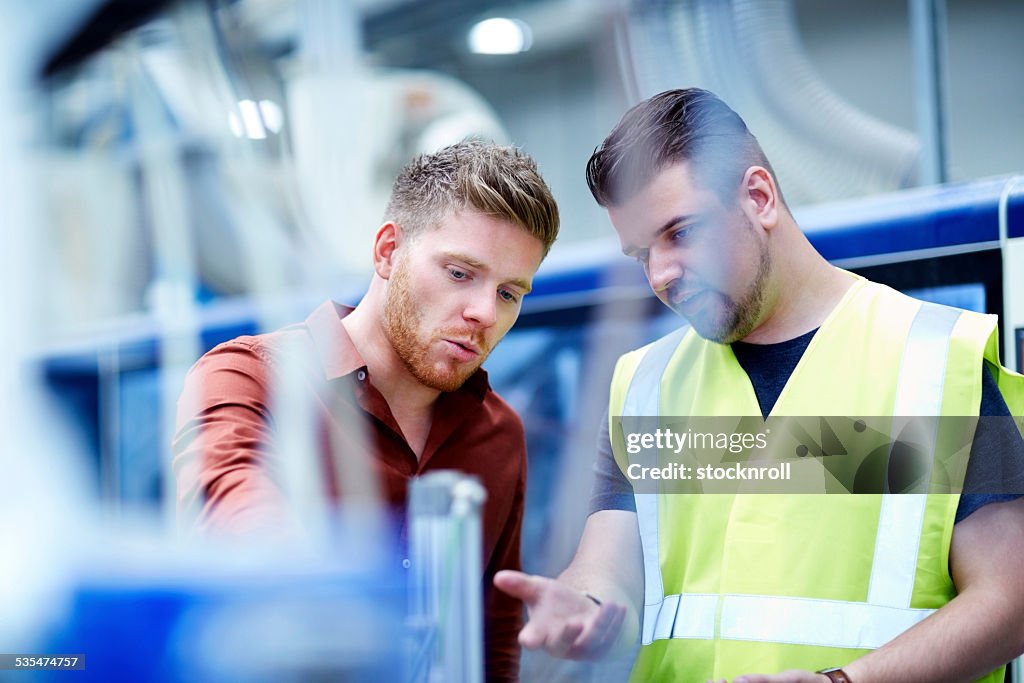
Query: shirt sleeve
<point x="223" y="447"/>
<point x="503" y="614"/>
<point x="995" y="470"/>
<point x="611" y="490"/>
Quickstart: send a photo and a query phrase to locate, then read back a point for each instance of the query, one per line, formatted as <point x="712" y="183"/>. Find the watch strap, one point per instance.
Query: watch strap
<point x="836" y="675"/>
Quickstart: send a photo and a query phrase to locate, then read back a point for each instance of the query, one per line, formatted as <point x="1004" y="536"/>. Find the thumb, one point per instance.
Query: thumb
<point x="519" y="585"/>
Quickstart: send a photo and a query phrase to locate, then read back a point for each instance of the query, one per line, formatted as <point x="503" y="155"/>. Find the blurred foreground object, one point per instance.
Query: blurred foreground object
<point x="444" y="513"/>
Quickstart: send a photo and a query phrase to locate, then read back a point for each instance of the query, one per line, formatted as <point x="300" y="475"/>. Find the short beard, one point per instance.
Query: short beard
<point x="741" y="317"/>
<point x="401" y="324"/>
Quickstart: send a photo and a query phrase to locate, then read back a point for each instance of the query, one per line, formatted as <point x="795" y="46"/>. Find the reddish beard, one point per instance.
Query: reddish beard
<point x="402" y="325"/>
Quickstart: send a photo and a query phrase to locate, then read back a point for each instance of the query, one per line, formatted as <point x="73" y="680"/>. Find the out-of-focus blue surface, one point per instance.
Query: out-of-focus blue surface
<point x="924" y="218"/>
<point x="151" y="630"/>
<point x="970" y="297"/>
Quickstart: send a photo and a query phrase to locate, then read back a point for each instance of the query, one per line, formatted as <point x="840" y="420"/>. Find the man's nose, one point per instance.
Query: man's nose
<point x="481" y="308"/>
<point x="663" y="268"/>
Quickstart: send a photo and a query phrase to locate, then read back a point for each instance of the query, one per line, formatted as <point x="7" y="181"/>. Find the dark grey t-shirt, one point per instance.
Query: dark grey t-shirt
<point x="997" y="454"/>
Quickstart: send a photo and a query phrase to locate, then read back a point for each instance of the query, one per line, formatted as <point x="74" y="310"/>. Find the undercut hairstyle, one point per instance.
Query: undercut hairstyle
<point x="690" y="125"/>
<point x="498" y="181"/>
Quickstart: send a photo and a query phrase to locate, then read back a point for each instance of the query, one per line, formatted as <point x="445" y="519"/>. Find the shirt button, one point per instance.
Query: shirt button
<point x="405" y="563"/>
<point x="361" y="375"/>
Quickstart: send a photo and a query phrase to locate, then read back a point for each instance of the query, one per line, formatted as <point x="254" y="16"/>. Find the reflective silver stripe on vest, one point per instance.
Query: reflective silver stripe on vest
<point x="823" y="623"/>
<point x="919" y="395"/>
<point x="831" y="623"/>
<point x="643" y="398"/>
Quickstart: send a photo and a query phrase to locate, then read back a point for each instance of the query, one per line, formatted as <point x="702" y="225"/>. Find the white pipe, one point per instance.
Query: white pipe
<point x="928" y="39"/>
<point x="1013" y="278"/>
<point x="172" y="293"/>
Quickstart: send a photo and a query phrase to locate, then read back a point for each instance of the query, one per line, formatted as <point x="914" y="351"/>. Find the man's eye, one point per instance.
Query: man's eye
<point x="456" y="274"/>
<point x="508" y="296"/>
<point x="680" y="233"/>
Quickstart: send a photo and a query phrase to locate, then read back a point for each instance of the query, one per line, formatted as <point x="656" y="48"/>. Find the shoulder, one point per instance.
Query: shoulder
<point x="245" y="363"/>
<point x="967" y="330"/>
<point x="656" y="354"/>
<point x="666" y="345"/>
<point x="244" y="355"/>
<point x="982" y="323"/>
<point x="255" y="350"/>
<point x="237" y="350"/>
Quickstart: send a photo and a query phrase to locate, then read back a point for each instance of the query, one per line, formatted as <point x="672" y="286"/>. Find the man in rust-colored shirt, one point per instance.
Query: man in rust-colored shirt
<point x="395" y="383"/>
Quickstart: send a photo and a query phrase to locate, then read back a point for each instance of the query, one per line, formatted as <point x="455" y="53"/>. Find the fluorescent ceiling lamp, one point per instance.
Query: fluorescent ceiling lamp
<point x="253" y="120"/>
<point x="500" y="36"/>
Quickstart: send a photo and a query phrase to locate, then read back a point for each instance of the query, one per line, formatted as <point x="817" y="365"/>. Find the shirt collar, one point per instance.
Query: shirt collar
<point x="338" y="355"/>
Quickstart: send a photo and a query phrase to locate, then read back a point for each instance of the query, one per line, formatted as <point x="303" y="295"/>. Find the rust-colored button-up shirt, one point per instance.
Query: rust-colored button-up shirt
<point x="225" y="453"/>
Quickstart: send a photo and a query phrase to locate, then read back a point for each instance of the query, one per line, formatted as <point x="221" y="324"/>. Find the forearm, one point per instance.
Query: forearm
<point x="600" y="582"/>
<point x="608" y="565"/>
<point x="979" y="630"/>
<point x="975" y="633"/>
<point x="605" y="586"/>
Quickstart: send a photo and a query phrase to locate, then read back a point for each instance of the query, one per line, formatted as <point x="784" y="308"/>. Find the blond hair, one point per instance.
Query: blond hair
<point x="495" y="180"/>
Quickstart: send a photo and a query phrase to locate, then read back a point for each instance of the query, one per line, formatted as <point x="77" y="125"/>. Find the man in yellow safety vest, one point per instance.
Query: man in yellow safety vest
<point x="883" y="586"/>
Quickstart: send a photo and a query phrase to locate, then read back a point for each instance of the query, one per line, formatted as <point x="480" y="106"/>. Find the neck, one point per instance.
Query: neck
<point x="405" y="395"/>
<point x="805" y="289"/>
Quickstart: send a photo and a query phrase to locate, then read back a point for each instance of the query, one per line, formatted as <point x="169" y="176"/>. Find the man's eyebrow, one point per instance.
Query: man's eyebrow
<point x="673" y="222"/>
<point x="668" y="225"/>
<point x="473" y="263"/>
<point x="468" y="260"/>
<point x="522" y="284"/>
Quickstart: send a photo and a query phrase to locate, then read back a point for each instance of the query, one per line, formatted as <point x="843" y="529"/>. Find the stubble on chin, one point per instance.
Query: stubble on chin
<point x="737" y="319"/>
<point x="401" y="324"/>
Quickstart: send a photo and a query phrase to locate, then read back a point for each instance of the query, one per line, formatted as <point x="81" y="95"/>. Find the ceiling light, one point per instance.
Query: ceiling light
<point x="500" y="36"/>
<point x="253" y="120"/>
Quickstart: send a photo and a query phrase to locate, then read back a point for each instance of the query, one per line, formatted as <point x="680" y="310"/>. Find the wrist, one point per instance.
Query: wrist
<point x="834" y="675"/>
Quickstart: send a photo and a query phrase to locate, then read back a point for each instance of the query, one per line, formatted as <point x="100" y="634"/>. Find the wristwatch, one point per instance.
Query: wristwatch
<point x="836" y="675"/>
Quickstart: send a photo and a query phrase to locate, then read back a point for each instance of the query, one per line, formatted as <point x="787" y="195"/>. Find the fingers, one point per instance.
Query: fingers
<point x="562" y="620"/>
<point x="556" y="638"/>
<point x="519" y="585"/>
<point x="560" y="641"/>
<point x="533" y="635"/>
<point x="587" y="636"/>
<point x="599" y="633"/>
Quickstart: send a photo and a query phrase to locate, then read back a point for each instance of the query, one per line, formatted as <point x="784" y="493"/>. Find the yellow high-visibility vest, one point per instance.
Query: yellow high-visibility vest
<point x="742" y="583"/>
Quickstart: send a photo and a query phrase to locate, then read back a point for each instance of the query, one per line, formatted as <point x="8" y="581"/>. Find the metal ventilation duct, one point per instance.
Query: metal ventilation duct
<point x="749" y="52"/>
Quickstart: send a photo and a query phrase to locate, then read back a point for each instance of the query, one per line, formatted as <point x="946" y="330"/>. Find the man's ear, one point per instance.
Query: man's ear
<point x="762" y="196"/>
<point x="385" y="244"/>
